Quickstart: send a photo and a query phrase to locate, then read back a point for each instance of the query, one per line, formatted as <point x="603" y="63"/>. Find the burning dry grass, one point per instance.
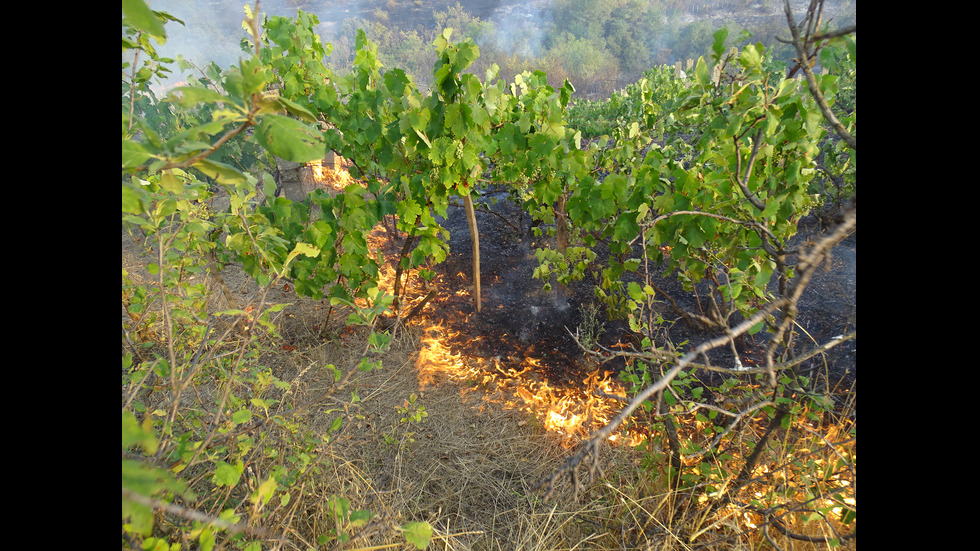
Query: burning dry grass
<point x="472" y="466"/>
<point x="571" y="413"/>
<point x="335" y="180"/>
<point x="469" y="468"/>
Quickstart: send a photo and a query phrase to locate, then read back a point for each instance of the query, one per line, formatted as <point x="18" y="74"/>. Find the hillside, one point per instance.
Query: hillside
<point x="598" y="46"/>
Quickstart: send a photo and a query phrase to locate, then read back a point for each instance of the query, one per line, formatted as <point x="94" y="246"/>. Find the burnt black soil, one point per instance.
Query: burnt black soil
<point x="520" y="320"/>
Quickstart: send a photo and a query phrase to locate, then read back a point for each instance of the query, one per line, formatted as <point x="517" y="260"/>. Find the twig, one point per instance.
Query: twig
<point x="743" y="181"/>
<point x="801" y="44"/>
<point x="195" y="515"/>
<point x="738" y="417"/>
<point x="418" y="307"/>
<point x="249" y="117"/>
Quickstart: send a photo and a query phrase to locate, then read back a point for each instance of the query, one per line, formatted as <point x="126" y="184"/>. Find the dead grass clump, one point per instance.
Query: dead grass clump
<point x="467" y="470"/>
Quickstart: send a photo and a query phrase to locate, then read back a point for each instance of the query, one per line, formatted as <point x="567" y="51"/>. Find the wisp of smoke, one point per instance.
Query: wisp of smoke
<point x="521" y="27"/>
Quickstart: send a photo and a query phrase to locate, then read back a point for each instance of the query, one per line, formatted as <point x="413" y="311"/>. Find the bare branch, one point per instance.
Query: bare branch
<point x="834" y="34"/>
<point x="808" y="263"/>
<point x="743" y="181"/>
<point x="802" y="45"/>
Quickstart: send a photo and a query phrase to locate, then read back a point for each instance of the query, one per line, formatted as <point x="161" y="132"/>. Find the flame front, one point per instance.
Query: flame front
<point x="573" y="413"/>
<point x="334" y="179"/>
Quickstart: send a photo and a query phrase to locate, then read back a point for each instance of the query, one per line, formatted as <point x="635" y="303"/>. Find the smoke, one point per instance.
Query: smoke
<point x="521" y="27"/>
<point x="212" y="29"/>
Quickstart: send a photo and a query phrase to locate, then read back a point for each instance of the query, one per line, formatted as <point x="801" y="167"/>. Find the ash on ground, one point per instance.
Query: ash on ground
<point x="520" y="320"/>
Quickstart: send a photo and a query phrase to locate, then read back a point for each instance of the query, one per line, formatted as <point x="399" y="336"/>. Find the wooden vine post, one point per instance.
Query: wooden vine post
<point x="475" y="238"/>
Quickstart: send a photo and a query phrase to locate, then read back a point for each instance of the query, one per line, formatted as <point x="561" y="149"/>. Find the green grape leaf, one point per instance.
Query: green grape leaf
<point x="290" y="139"/>
<point x="221" y="172"/>
<point x="140" y="16"/>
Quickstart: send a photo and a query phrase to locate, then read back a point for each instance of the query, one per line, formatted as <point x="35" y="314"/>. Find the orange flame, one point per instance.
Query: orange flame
<point x="333" y="179"/>
<point x="573" y="413"/>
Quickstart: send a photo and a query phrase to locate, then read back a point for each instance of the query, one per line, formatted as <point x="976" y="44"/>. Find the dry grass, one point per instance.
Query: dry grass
<point x="470" y="468"/>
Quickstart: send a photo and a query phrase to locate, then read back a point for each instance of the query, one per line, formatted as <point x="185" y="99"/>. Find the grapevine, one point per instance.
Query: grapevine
<point x="706" y="177"/>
